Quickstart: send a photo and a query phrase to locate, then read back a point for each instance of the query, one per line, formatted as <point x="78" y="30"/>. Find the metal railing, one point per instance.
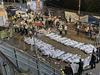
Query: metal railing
<point x="27" y="62"/>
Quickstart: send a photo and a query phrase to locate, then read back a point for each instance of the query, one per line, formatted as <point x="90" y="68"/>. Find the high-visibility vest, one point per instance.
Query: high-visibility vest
<point x="34" y="17"/>
<point x="2" y="35"/>
<point x="60" y="28"/>
<point x="31" y="27"/>
<point x="60" y="24"/>
<point x="62" y="73"/>
<point x="48" y="18"/>
<point x="10" y="32"/>
<point x="15" y="26"/>
<point x="35" y="27"/>
<point x="12" y="18"/>
<point x="30" y="32"/>
<point x="40" y="19"/>
<point x="13" y="22"/>
<point x="78" y="26"/>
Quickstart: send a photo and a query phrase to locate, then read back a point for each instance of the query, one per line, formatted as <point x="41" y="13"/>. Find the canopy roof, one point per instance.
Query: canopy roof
<point x="89" y="19"/>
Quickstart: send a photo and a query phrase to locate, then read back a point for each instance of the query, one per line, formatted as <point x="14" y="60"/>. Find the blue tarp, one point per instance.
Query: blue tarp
<point x="13" y="12"/>
<point x="89" y="19"/>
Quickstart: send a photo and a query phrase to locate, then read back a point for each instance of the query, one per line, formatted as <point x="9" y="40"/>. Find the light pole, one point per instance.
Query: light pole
<point x="14" y="1"/>
<point x="37" y="61"/>
<point x="79" y="8"/>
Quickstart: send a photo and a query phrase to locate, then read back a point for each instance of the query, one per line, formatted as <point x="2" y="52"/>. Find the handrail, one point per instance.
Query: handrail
<point x="9" y="62"/>
<point x="18" y="55"/>
<point x="29" y="55"/>
<point x="27" y="64"/>
<point x="22" y="62"/>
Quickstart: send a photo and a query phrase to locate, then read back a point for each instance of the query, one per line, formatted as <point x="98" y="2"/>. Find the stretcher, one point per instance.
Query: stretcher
<point x="73" y="59"/>
<point x="88" y="48"/>
<point x="65" y="56"/>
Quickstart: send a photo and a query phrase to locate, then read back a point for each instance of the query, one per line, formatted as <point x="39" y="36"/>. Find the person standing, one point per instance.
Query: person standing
<point x="27" y="11"/>
<point x="90" y="34"/>
<point x="13" y="22"/>
<point x="62" y="72"/>
<point x="96" y="41"/>
<point x="15" y="26"/>
<point x="26" y="28"/>
<point x="70" y="18"/>
<point x="30" y="33"/>
<point x="77" y="30"/>
<point x="86" y="31"/>
<point x="93" y="60"/>
<point x="97" y="54"/>
<point x="65" y="29"/>
<point x="80" y="69"/>
<point x="66" y="19"/>
<point x="60" y="29"/>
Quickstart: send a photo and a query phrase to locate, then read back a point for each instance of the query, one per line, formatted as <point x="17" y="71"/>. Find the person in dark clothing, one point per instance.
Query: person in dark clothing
<point x="70" y="18"/>
<point x="93" y="60"/>
<point x="97" y="54"/>
<point x="77" y="31"/>
<point x="68" y="70"/>
<point x="80" y="69"/>
<point x="90" y="34"/>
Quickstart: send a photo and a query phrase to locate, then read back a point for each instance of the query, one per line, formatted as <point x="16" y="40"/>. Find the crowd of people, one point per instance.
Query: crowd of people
<point x="26" y="27"/>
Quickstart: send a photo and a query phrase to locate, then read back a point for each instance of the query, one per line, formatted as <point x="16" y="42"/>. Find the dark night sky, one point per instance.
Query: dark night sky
<point x="68" y="4"/>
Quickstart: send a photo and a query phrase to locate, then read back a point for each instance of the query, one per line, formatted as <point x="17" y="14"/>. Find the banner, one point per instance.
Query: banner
<point x="38" y="24"/>
<point x="37" y="4"/>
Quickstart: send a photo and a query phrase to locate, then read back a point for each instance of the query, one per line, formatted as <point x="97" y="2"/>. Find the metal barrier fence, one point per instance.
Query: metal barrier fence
<point x="27" y="62"/>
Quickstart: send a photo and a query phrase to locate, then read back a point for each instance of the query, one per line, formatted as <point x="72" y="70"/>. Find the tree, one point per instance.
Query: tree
<point x="92" y="6"/>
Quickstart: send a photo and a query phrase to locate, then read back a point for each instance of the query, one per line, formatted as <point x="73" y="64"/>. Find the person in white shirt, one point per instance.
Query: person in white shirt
<point x="20" y="7"/>
<point x="65" y="29"/>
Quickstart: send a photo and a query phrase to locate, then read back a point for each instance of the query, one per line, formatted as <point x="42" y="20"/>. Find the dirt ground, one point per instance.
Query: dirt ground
<point x="17" y="41"/>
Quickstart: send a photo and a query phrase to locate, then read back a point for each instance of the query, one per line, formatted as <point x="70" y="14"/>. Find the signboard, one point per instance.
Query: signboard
<point x="37" y="4"/>
<point x="38" y="24"/>
<point x="34" y="5"/>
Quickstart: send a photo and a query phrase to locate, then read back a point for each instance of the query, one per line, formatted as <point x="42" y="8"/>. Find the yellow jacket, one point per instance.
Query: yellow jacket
<point x="62" y="73"/>
<point x="30" y="32"/>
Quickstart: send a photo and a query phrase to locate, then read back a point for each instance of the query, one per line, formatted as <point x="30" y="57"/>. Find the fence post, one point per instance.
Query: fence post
<point x="37" y="60"/>
<point x="16" y="57"/>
